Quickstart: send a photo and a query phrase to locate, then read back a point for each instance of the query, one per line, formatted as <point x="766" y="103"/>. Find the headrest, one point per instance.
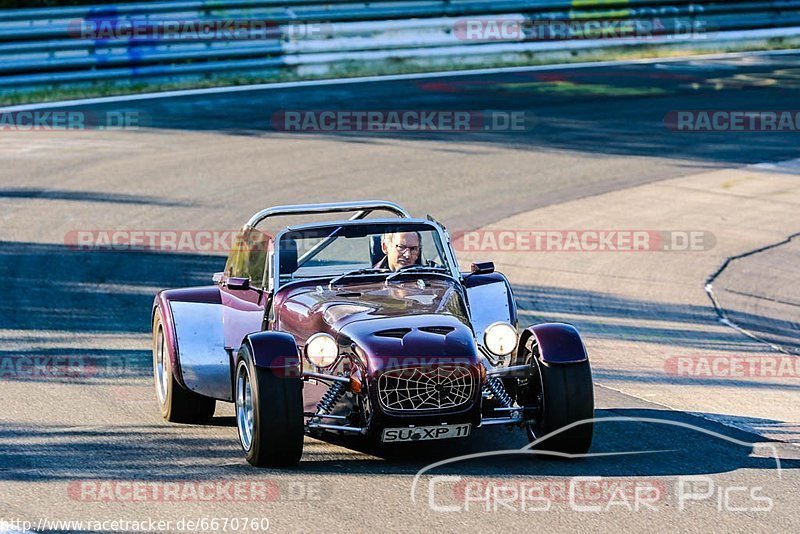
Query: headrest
<point x="288" y="256"/>
<point x="375" y="253"/>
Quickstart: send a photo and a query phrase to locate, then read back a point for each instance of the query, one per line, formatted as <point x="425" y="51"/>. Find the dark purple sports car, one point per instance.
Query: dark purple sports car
<point x="364" y="326"/>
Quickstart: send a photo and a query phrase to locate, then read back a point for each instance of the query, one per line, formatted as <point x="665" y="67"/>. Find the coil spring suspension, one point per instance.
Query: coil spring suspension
<point x="329" y="400"/>
<point x="495" y="386"/>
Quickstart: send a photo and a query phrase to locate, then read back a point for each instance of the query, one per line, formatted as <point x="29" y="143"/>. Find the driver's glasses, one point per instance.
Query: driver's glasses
<point x="402" y="249"/>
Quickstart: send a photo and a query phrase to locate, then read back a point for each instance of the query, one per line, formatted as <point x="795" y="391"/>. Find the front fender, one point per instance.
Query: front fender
<point x="490" y="301"/>
<point x="276" y="351"/>
<point x="559" y="343"/>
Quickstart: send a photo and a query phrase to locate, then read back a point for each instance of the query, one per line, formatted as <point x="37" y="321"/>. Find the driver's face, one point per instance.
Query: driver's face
<point x="402" y="251"/>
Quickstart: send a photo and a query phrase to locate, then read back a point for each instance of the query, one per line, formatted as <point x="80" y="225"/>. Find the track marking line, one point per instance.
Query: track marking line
<point x="722" y="314"/>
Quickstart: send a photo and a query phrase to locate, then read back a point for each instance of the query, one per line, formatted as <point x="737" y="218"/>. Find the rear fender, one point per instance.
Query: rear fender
<point x="192" y="320"/>
<point x="559" y="343"/>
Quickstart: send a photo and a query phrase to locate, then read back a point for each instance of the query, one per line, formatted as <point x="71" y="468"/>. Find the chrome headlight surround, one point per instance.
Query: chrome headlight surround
<point x="500" y="338"/>
<point x="321" y="350"/>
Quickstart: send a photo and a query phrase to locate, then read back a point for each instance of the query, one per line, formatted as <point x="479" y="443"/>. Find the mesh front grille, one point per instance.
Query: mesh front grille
<point x="426" y="388"/>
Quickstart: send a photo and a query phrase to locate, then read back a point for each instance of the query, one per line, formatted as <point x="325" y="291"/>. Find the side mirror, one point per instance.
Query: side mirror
<point x="218" y="277"/>
<point x="237" y="283"/>
<point x="484" y="267"/>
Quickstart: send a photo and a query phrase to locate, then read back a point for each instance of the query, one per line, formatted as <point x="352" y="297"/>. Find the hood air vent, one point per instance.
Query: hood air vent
<point x="441" y="330"/>
<point x="397" y="333"/>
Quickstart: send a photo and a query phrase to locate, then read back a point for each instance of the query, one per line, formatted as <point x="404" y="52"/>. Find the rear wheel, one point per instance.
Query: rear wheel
<point x="562" y="394"/>
<point x="177" y="404"/>
<point x="269" y="413"/>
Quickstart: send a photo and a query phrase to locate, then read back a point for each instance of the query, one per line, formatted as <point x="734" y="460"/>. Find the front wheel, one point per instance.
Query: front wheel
<point x="562" y="394"/>
<point x="269" y="414"/>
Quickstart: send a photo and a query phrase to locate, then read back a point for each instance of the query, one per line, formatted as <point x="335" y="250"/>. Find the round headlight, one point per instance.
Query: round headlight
<point x="321" y="350"/>
<point x="500" y="338"/>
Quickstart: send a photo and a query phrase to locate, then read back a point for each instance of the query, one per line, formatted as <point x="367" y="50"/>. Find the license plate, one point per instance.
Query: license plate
<point x="425" y="433"/>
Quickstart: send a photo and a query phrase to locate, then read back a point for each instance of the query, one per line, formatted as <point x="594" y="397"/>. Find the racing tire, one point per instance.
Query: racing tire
<point x="564" y="395"/>
<point x="269" y="413"/>
<point x="176" y="403"/>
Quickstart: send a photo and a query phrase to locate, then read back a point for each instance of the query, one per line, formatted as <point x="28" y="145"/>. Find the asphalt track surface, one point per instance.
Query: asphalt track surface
<point x="761" y="305"/>
<point x="210" y="161"/>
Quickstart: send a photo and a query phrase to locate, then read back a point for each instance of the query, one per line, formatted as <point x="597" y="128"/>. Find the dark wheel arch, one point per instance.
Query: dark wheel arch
<point x="276" y="397"/>
<point x="563" y="394"/>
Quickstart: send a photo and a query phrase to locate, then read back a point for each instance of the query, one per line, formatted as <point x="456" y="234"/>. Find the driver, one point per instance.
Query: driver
<point x="402" y="249"/>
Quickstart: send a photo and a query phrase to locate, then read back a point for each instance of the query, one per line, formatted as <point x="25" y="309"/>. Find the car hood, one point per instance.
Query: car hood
<point x="419" y="341"/>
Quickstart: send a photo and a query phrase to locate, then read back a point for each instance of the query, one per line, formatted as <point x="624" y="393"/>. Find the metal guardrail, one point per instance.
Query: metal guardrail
<point x="56" y="45"/>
